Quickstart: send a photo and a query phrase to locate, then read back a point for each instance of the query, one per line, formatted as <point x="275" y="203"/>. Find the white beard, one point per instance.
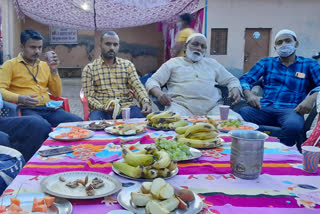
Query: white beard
<point x="193" y="56"/>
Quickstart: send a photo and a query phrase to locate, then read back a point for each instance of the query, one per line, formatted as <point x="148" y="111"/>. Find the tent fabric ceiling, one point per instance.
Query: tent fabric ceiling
<point x="102" y="14"/>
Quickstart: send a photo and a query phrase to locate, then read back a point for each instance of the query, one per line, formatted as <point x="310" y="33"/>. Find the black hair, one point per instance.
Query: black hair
<point x="186" y="17"/>
<point x="29" y="34"/>
<point x="109" y="33"/>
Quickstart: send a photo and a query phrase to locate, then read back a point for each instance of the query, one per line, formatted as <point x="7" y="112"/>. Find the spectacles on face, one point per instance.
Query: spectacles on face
<point x="286" y="40"/>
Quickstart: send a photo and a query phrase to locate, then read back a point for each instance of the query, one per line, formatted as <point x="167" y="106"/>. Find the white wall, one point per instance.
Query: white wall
<point x="11" y="28"/>
<point x="301" y="16"/>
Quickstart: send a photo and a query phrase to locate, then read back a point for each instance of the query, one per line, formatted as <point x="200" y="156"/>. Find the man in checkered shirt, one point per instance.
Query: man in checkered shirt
<point x="110" y="77"/>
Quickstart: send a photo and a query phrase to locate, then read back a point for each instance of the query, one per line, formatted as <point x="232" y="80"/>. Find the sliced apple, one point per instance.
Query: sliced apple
<point x="155" y="208"/>
<point x="182" y="205"/>
<point x="185" y="194"/>
<point x="170" y="204"/>
<point x="146" y="187"/>
<point x="157" y="184"/>
<point x="147" y="209"/>
<point x="140" y="199"/>
<point x="166" y="192"/>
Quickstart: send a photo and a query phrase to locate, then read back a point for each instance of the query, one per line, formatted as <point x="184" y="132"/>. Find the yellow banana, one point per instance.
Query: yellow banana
<point x="182" y="130"/>
<point x="136" y="159"/>
<point x="149" y="173"/>
<point x="204" y="135"/>
<point x="173" y="118"/>
<point x="172" y="165"/>
<point x="180" y="123"/>
<point x="199" y="127"/>
<point x="126" y="169"/>
<point x="151" y="149"/>
<point x="199" y="143"/>
<point x="116" y="108"/>
<point x="163" y="160"/>
<point x="149" y="116"/>
<point x="156" y="118"/>
<point x="164" y="172"/>
<point x="212" y="122"/>
<point x="142" y="152"/>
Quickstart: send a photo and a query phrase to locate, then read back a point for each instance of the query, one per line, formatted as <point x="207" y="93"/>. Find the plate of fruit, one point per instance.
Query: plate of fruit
<point x="72" y="133"/>
<point x="35" y="202"/>
<point x="98" y="125"/>
<point x="178" y="151"/>
<point x="159" y="197"/>
<point x="80" y="185"/>
<point x="229" y="125"/>
<point x="200" y="135"/>
<point x="145" y="164"/>
<point x="165" y="120"/>
<point x="126" y="129"/>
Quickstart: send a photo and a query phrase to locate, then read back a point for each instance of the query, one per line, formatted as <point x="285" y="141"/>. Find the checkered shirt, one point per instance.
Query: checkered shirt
<point x="102" y="83"/>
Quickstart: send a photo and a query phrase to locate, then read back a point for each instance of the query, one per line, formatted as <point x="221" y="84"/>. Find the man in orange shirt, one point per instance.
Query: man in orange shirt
<point x="26" y="80"/>
<point x="184" y="32"/>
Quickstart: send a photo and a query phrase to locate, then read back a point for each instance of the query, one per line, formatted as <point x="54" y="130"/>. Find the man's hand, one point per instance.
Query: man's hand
<point x="28" y="100"/>
<point x="252" y="99"/>
<point x="53" y="61"/>
<point x="305" y="106"/>
<point x="146" y="109"/>
<point x="164" y="99"/>
<point x="110" y="109"/>
<point x="236" y="95"/>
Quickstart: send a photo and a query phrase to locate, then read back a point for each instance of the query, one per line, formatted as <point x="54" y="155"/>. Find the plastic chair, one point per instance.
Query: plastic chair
<point x="13" y="108"/>
<point x="84" y="102"/>
<point x="9" y="110"/>
<point x="65" y="104"/>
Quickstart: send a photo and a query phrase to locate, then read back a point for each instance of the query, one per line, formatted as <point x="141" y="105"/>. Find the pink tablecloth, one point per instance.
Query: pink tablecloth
<point x="283" y="186"/>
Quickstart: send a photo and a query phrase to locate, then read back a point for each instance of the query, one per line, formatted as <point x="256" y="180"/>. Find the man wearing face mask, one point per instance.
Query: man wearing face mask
<point x="184" y="32"/>
<point x="192" y="80"/>
<point x="110" y="77"/>
<point x="286" y="80"/>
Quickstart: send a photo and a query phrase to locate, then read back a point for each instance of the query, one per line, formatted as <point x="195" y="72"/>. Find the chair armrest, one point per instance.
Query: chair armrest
<point x="132" y="93"/>
<point x="65" y="104"/>
<point x="238" y="106"/>
<point x="309" y="120"/>
<point x="84" y="102"/>
<point x="9" y="110"/>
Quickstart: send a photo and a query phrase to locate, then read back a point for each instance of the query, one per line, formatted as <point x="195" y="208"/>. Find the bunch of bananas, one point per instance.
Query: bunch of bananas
<point x="165" y="120"/>
<point x="146" y="163"/>
<point x="199" y="135"/>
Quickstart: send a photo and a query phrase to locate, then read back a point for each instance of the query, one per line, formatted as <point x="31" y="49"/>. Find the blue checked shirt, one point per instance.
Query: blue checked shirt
<point x="284" y="87"/>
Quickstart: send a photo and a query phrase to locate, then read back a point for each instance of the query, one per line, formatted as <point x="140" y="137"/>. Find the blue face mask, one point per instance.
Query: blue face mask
<point x="286" y="50"/>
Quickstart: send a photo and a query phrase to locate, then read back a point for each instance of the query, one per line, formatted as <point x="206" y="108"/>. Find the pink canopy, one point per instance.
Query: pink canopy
<point x="102" y="14"/>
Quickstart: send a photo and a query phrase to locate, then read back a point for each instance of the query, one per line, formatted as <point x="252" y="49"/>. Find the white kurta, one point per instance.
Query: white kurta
<point x="192" y="85"/>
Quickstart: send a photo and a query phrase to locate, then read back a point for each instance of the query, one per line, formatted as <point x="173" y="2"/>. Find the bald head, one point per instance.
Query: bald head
<point x="109" y="33"/>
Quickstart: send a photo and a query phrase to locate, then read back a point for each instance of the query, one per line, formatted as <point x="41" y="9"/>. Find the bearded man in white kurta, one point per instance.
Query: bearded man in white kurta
<point x="192" y="80"/>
